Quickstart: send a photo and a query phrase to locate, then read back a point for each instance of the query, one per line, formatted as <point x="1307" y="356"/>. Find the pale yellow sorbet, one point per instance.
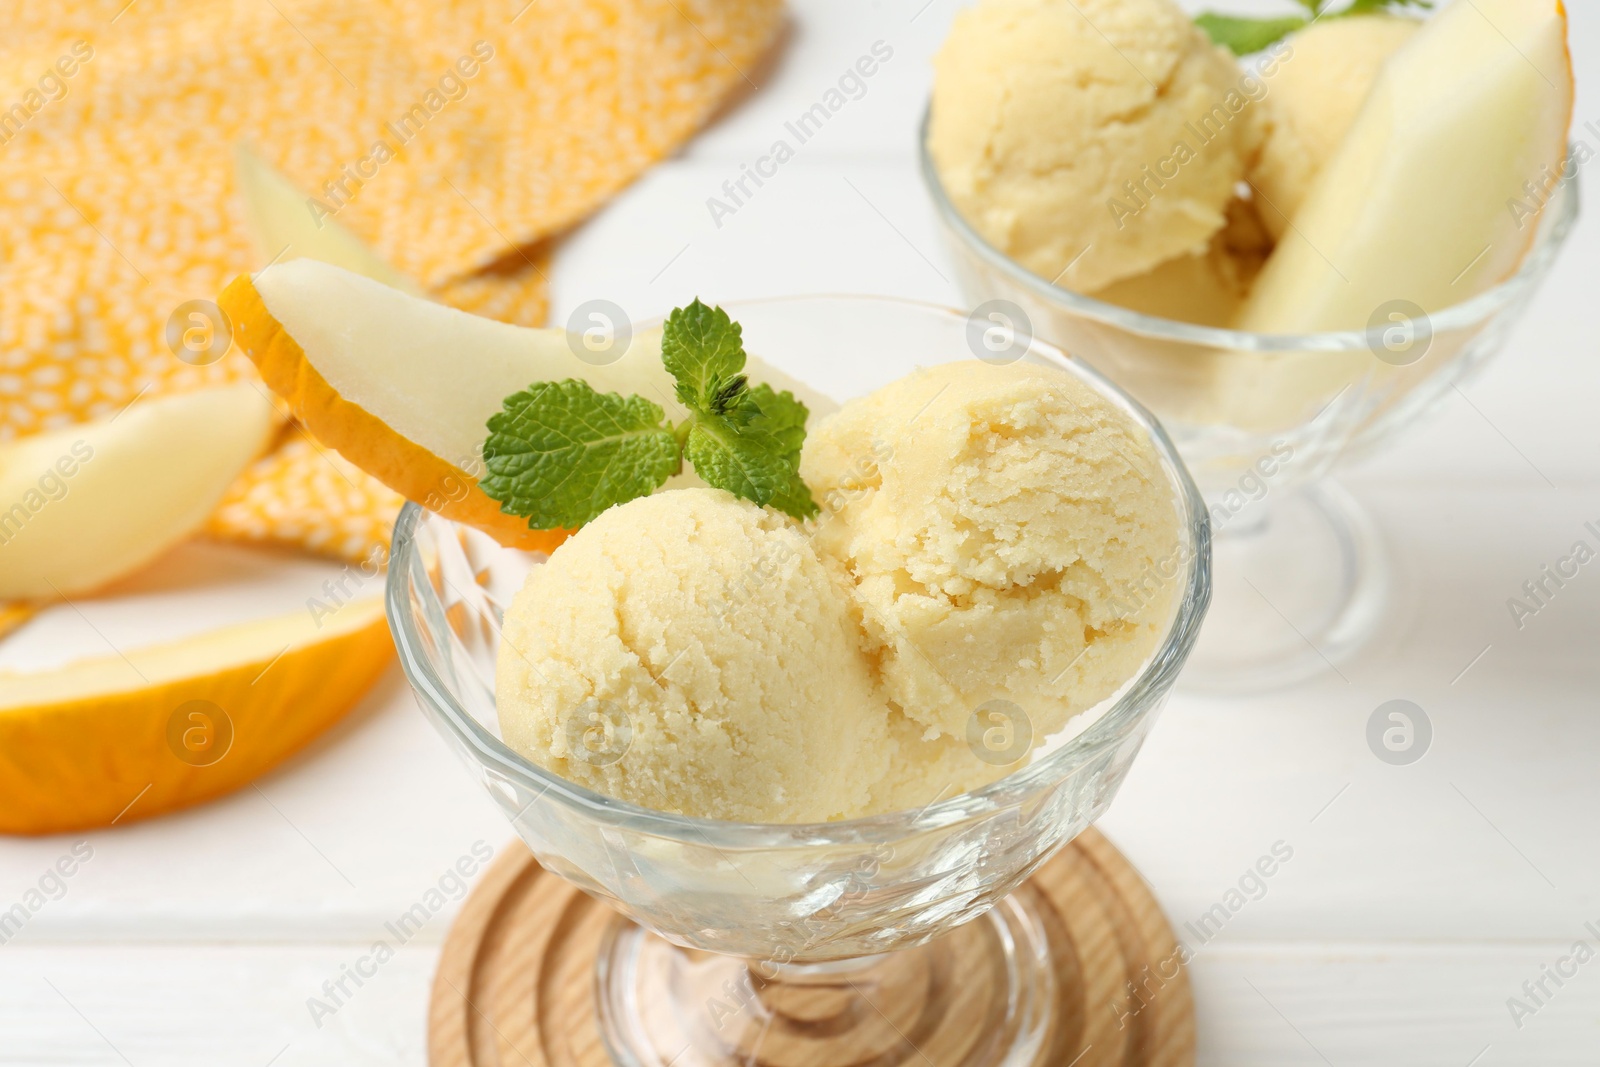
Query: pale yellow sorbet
<point x="1207" y="289"/>
<point x="926" y="769"/>
<point x="697" y="648"/>
<point x="1089" y="140"/>
<point x="1007" y="533"/>
<point x="1314" y="93"/>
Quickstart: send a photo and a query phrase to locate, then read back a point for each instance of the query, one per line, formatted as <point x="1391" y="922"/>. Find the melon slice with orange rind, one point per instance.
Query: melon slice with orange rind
<point x="125" y="736"/>
<point x="404" y="388"/>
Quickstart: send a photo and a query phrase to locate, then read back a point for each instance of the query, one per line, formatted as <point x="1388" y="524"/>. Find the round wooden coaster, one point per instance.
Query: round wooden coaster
<point x="516" y="988"/>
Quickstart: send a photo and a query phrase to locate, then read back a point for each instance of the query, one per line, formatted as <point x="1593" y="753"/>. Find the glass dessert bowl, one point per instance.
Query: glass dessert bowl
<point x="799" y="911"/>
<point x="1261" y="421"/>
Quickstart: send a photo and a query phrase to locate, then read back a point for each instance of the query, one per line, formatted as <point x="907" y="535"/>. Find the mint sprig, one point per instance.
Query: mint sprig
<point x="560" y="453"/>
<point x="1246" y="36"/>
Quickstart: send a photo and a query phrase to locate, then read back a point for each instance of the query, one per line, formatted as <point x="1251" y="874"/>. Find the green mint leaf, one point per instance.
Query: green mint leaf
<point x="783" y="418"/>
<point x="560" y="453"/>
<point x="1372" y="7"/>
<point x="704" y="351"/>
<point x="781" y="415"/>
<point x="795" y="499"/>
<point x="729" y="394"/>
<point x="732" y="401"/>
<point x="747" y="463"/>
<point x="1246" y="36"/>
<point x="739" y="411"/>
<point x="743" y="439"/>
<point x="1243" y="36"/>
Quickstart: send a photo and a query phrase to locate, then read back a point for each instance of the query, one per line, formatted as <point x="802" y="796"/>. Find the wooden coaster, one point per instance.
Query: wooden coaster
<point x="515" y="985"/>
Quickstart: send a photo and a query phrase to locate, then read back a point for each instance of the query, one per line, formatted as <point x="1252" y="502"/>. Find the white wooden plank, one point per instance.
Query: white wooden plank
<point x="1488" y="835"/>
<point x="205" y="1006"/>
<point x="1260" y="1004"/>
<point x="1394" y="1004"/>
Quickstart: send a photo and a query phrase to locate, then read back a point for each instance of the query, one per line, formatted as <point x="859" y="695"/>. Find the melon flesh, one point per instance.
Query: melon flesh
<point x="138" y="671"/>
<point x="139" y="482"/>
<point x="1415" y="205"/>
<point x="285" y="228"/>
<point x="433" y="374"/>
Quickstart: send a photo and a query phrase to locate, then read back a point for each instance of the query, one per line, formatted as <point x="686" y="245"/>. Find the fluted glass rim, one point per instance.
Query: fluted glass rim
<point x="1142" y="696"/>
<point x="1556" y="223"/>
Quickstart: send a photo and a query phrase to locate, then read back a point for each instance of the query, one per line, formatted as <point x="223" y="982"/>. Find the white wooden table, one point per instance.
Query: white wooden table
<point x="1418" y="899"/>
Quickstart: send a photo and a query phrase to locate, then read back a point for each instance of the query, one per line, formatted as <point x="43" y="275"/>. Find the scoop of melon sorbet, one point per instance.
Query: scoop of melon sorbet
<point x="1007" y="534"/>
<point x="689" y="652"/>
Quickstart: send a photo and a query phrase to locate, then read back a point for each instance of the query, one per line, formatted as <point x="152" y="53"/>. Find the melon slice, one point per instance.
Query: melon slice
<point x="91" y="502"/>
<point x="95" y="741"/>
<point x="404" y="388"/>
<point x="13" y="616"/>
<point x="284" y="227"/>
<point x="1417" y="203"/>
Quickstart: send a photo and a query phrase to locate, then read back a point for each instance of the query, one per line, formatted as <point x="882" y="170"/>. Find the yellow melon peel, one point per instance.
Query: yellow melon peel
<point x="94" y="741"/>
<point x="12" y="616"/>
<point x="362" y="438"/>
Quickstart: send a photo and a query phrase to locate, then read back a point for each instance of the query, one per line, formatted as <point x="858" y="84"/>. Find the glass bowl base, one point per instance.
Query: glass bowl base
<point x="979" y="996"/>
<point x="1300" y="584"/>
